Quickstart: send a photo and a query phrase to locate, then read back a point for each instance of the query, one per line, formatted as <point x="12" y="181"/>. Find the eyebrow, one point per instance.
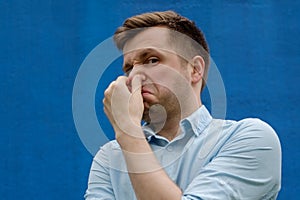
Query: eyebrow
<point x="140" y="56"/>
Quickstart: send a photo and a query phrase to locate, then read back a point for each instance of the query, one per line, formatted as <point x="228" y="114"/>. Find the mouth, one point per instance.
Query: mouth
<point x="146" y="91"/>
<point x="147" y="97"/>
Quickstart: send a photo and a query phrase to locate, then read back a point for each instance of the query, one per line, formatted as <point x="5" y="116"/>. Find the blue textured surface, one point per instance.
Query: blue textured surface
<point x="255" y="45"/>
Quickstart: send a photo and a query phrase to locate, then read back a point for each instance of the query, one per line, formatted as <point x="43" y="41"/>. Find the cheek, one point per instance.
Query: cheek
<point x="163" y="75"/>
<point x="170" y="81"/>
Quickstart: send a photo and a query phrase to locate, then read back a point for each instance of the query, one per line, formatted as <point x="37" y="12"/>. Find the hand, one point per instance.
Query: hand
<point x="124" y="108"/>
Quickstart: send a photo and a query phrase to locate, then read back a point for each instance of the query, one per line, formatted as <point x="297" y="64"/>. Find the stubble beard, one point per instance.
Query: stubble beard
<point x="158" y="115"/>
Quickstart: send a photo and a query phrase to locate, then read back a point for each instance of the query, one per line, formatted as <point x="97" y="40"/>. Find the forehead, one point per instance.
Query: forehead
<point x="150" y="38"/>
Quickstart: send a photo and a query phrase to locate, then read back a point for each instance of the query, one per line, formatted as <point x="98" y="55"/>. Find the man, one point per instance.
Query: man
<point x="180" y="152"/>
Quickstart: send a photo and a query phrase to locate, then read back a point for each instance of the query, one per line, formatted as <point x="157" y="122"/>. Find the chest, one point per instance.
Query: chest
<point x="181" y="163"/>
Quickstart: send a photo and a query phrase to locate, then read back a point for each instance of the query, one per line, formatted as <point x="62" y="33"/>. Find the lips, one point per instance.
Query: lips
<point x="147" y="95"/>
<point x="145" y="91"/>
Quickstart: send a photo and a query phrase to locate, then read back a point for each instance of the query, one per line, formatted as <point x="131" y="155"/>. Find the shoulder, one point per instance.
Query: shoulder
<point x="248" y="127"/>
<point x="254" y="123"/>
<point x="254" y="127"/>
<point x="113" y="144"/>
<point x="111" y="156"/>
<point x="106" y="150"/>
<point x="253" y="134"/>
<point x="247" y="134"/>
<point x="250" y="156"/>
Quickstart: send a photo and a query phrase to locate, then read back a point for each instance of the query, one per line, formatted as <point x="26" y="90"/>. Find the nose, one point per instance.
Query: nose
<point x="136" y="70"/>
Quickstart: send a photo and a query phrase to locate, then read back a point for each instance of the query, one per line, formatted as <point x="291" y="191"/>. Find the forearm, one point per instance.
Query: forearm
<point x="155" y="186"/>
<point x="148" y="178"/>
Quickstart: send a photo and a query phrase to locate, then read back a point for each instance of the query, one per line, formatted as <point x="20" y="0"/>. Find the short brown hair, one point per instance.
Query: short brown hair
<point x="170" y="20"/>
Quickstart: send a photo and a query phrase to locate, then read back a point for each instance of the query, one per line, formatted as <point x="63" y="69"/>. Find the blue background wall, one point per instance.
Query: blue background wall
<point x="255" y="45"/>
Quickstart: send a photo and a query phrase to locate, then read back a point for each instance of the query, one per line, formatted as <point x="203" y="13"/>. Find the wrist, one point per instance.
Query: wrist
<point x="131" y="138"/>
<point x="138" y="154"/>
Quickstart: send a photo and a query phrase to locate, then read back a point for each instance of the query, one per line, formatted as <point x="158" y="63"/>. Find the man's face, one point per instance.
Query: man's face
<point x="149" y="53"/>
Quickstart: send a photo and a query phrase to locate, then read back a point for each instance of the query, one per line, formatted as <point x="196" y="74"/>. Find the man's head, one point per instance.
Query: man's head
<point x="184" y="36"/>
<point x="170" y="52"/>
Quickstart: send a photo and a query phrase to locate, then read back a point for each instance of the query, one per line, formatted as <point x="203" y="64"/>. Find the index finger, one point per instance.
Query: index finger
<point x="136" y="83"/>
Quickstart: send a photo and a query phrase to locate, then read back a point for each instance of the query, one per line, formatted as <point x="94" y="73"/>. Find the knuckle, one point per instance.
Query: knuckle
<point x="121" y="79"/>
<point x="106" y="93"/>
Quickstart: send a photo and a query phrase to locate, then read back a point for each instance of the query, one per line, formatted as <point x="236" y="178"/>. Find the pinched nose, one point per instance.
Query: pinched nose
<point x="135" y="82"/>
<point x="136" y="73"/>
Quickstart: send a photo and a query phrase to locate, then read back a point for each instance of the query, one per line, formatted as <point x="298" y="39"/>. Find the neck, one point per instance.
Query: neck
<point x="171" y="128"/>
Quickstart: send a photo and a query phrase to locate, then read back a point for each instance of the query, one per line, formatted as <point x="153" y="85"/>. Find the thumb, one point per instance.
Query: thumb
<point x="136" y="83"/>
<point x="136" y="100"/>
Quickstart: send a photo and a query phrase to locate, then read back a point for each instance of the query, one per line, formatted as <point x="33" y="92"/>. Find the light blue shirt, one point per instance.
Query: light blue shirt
<point x="210" y="159"/>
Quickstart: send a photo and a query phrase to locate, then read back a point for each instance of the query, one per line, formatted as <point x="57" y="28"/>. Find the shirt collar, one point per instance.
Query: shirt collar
<point x="197" y="121"/>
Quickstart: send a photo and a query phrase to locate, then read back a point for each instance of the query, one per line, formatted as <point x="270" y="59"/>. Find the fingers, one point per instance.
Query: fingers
<point x="137" y="83"/>
<point x="124" y="108"/>
<point x="120" y="84"/>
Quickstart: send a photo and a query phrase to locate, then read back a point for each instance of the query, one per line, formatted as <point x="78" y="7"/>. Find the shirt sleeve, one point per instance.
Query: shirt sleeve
<point x="99" y="183"/>
<point x="247" y="166"/>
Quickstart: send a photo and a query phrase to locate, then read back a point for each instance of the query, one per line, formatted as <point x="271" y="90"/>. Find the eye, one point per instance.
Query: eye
<point x="152" y="61"/>
<point x="127" y="69"/>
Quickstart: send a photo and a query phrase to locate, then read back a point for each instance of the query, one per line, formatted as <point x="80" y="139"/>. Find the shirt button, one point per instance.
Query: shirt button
<point x="170" y="148"/>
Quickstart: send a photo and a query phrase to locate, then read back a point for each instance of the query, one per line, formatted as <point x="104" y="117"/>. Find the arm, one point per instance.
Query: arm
<point x="124" y="110"/>
<point x="246" y="164"/>
<point x="148" y="178"/>
<point x="99" y="184"/>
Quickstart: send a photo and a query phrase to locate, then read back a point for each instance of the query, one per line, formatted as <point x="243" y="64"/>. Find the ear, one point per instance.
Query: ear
<point x="198" y="65"/>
